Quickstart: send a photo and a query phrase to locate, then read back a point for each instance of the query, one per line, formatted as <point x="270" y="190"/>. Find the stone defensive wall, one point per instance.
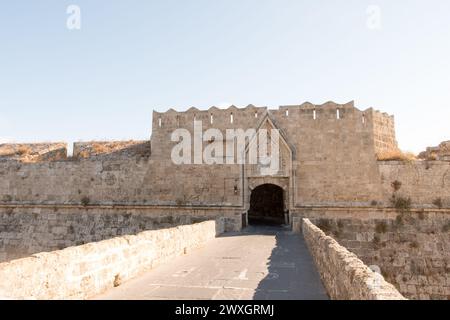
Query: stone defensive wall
<point x="441" y="152"/>
<point x="332" y="150"/>
<point x="411" y="247"/>
<point x="87" y="270"/>
<point x="344" y="276"/>
<point x="330" y="162"/>
<point x="426" y="183"/>
<point x="26" y="230"/>
<point x="332" y="147"/>
<point x="142" y="181"/>
<point x="132" y="181"/>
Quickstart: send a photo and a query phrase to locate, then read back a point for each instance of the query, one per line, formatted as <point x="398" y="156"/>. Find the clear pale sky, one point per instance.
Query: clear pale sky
<point x="133" y="57"/>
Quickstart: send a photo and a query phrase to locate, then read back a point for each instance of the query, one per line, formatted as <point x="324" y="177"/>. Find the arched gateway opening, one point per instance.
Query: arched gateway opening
<point x="266" y="205"/>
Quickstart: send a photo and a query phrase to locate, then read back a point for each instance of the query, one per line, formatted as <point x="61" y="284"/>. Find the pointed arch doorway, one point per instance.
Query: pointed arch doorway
<point x="267" y="205"/>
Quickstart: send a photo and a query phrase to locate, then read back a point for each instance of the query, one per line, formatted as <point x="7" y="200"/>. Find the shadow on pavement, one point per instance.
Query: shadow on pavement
<point x="292" y="274"/>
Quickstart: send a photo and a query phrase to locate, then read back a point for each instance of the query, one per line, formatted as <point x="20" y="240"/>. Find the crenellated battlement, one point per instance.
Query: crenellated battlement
<point x="329" y="121"/>
<point x="247" y="117"/>
<point x="232" y="117"/>
<point x="319" y="112"/>
<point x="295" y="121"/>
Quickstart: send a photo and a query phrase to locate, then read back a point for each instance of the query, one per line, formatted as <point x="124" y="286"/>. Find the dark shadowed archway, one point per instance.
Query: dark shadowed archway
<point x="266" y="205"/>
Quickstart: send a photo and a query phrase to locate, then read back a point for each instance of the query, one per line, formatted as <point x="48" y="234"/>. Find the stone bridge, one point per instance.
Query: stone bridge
<point x="263" y="263"/>
<point x="199" y="261"/>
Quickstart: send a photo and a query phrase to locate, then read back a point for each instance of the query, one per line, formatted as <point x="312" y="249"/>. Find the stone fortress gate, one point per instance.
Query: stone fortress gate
<point x="329" y="171"/>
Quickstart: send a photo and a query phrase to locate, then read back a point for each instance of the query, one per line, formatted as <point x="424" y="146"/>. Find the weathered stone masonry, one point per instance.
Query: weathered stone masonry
<point x="326" y="160"/>
<point x="343" y="274"/>
<point x="411" y="248"/>
<point x="25" y="230"/>
<point x="85" y="271"/>
<point x="329" y="169"/>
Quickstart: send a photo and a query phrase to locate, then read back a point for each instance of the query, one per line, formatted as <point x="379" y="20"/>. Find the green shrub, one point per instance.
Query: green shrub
<point x="180" y="202"/>
<point x="396" y="185"/>
<point x="421" y="215"/>
<point x="446" y="228"/>
<point x="399" y="220"/>
<point x="7" y="198"/>
<point x="438" y="203"/>
<point x="401" y="203"/>
<point x="376" y="240"/>
<point x="381" y="227"/>
<point x="324" y="225"/>
<point x="414" y="245"/>
<point x="85" y="201"/>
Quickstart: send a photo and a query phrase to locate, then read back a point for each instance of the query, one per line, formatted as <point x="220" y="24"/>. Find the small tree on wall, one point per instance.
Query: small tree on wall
<point x="85" y="201"/>
<point x="438" y="203"/>
<point x="398" y="202"/>
<point x="396" y="185"/>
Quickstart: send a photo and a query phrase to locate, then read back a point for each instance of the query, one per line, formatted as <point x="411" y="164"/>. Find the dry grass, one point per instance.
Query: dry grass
<point x="7" y="152"/>
<point x="99" y="148"/>
<point x="83" y="154"/>
<point x="396" y="155"/>
<point x="433" y="156"/>
<point x="23" y="150"/>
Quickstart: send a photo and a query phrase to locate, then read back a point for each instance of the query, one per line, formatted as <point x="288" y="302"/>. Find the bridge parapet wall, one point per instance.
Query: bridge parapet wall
<point x="344" y="275"/>
<point x="85" y="271"/>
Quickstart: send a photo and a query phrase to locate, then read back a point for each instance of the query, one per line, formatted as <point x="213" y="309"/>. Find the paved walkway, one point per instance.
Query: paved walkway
<point x="261" y="263"/>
